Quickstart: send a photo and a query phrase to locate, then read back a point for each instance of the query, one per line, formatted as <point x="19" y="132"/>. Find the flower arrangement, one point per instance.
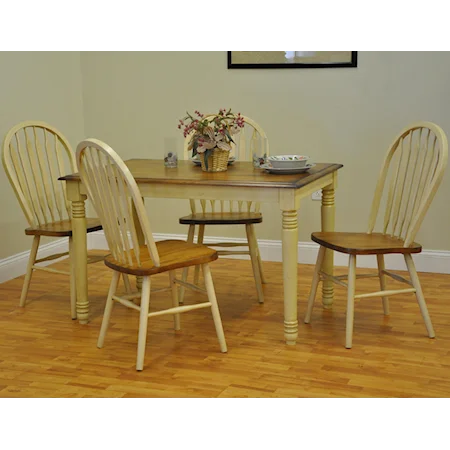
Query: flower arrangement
<point x="211" y="133"/>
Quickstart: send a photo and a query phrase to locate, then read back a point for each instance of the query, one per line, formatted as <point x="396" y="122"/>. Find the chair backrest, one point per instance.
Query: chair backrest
<point x="246" y="144"/>
<point x="113" y="191"/>
<point x="412" y="172"/>
<point x="34" y="156"/>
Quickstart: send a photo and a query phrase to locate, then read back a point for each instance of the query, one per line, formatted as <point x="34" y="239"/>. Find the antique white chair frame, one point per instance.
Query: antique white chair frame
<point x="33" y="159"/>
<point x="422" y="151"/>
<point x="118" y="203"/>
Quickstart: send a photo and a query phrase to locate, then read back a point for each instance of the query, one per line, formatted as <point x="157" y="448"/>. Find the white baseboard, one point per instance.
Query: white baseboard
<point x="436" y="261"/>
<point x="16" y="265"/>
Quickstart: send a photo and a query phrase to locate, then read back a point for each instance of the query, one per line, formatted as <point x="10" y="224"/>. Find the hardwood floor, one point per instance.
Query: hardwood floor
<point x="43" y="353"/>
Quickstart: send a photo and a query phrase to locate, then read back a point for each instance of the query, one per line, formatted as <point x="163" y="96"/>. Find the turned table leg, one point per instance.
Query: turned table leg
<point x="79" y="247"/>
<point x="328" y="219"/>
<point x="290" y="258"/>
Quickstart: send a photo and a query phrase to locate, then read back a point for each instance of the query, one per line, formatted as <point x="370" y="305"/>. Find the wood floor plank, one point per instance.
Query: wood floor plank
<point x="43" y="353"/>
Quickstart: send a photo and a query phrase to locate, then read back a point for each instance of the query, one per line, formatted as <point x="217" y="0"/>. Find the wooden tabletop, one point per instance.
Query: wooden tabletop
<point x="243" y="174"/>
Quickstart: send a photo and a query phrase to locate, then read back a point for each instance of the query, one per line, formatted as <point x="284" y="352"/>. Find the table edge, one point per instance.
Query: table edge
<point x="333" y="167"/>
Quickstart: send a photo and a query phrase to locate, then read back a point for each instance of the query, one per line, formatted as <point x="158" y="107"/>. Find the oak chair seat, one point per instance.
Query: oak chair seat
<point x="222" y="218"/>
<point x="364" y="243"/>
<point x="61" y="228"/>
<point x="173" y="254"/>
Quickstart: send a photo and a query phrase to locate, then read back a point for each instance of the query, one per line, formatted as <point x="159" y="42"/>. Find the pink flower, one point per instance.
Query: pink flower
<point x="206" y="144"/>
<point x="218" y="137"/>
<point x="224" y="145"/>
<point x="235" y="129"/>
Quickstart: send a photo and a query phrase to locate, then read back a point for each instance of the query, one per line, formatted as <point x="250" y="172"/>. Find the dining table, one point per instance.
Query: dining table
<point x="241" y="182"/>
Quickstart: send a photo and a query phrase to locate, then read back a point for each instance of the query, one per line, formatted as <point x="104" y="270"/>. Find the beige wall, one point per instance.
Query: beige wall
<point x="35" y="86"/>
<point x="133" y="101"/>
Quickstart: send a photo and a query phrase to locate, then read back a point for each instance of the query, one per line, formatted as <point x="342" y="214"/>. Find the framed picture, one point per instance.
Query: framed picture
<point x="291" y="60"/>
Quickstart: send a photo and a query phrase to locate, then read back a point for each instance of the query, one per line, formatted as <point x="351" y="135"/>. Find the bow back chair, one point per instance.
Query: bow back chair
<point x="113" y="192"/>
<point x="224" y="212"/>
<point x="34" y="156"/>
<point x="410" y="176"/>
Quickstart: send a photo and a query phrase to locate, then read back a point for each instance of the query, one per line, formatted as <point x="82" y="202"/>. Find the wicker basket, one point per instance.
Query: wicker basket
<point x="217" y="161"/>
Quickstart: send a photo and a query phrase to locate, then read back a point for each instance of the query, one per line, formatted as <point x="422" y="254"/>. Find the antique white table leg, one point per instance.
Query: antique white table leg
<point x="79" y="245"/>
<point x="328" y="220"/>
<point x="290" y="255"/>
<point x="290" y="258"/>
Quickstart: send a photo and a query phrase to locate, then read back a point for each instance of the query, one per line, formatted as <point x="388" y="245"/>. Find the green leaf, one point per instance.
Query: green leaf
<point x="227" y="133"/>
<point x="207" y="153"/>
<point x="194" y="148"/>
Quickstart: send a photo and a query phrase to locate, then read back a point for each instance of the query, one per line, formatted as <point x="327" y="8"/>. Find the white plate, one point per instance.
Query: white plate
<point x="288" y="161"/>
<point x="287" y="171"/>
<point x="288" y="158"/>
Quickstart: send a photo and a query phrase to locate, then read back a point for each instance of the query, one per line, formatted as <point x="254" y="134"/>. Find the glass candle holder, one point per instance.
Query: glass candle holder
<point x="170" y="153"/>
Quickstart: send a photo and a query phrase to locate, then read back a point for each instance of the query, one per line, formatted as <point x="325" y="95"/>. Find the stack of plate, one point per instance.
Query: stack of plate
<point x="288" y="164"/>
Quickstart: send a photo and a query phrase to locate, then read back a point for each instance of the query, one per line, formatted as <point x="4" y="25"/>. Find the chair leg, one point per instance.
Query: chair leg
<point x="29" y="272"/>
<point x="190" y="238"/>
<point x="73" y="281"/>
<point x="253" y="246"/>
<point x="263" y="278"/>
<point x="419" y="294"/>
<point x="214" y="307"/>
<point x="108" y="308"/>
<point x="315" y="283"/>
<point x="350" y="301"/>
<point x="261" y="272"/>
<point x="176" y="317"/>
<point x="201" y="235"/>
<point x="126" y="282"/>
<point x="143" y="320"/>
<point x="383" y="285"/>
